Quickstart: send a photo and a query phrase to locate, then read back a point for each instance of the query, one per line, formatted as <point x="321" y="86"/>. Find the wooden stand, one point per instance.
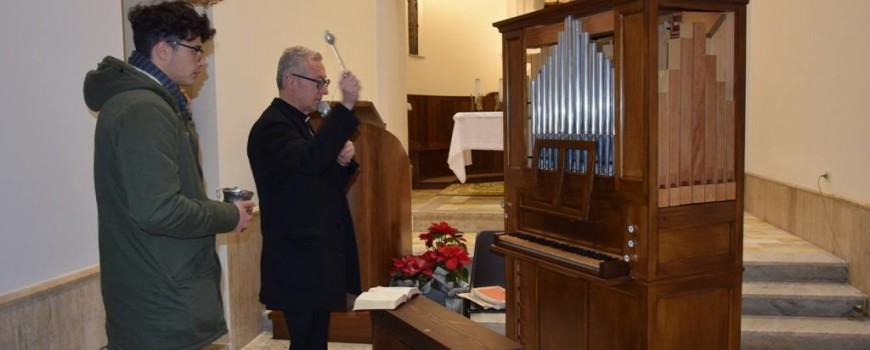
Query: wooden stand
<point x="422" y="324"/>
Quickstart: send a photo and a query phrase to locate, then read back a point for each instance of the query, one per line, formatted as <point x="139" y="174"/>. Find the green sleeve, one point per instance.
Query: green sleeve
<point x="149" y="145"/>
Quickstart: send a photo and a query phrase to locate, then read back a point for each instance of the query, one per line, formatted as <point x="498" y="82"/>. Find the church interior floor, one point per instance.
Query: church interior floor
<point x="467" y="214"/>
<point x="763" y="243"/>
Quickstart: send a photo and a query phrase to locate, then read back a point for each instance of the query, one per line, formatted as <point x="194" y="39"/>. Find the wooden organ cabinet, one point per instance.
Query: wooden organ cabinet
<point x="624" y="142"/>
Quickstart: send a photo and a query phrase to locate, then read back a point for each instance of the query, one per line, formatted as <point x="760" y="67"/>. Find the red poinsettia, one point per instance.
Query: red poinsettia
<point x="411" y="267"/>
<point x="440" y="234"/>
<point x="453" y="256"/>
<point x="445" y="249"/>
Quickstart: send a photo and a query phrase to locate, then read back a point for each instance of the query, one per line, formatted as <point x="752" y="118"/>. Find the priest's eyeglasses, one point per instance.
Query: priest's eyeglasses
<point x="321" y="83"/>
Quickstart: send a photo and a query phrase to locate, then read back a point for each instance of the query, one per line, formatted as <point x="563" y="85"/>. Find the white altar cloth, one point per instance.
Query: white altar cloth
<point x="473" y="130"/>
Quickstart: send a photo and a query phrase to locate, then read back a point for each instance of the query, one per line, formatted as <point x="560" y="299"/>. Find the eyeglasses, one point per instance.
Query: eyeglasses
<point x="321" y="83"/>
<point x="196" y="49"/>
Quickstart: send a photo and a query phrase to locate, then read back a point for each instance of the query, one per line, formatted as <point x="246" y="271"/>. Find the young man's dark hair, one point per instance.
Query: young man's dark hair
<point x="168" y="21"/>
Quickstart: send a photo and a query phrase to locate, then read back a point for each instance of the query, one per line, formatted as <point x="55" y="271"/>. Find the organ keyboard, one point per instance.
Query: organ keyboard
<point x="595" y="262"/>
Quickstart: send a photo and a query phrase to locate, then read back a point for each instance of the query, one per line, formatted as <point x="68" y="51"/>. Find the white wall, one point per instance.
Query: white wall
<point x="808" y="85"/>
<point x="250" y="40"/>
<point x="457" y="44"/>
<point x="48" y="212"/>
<point x="390" y="57"/>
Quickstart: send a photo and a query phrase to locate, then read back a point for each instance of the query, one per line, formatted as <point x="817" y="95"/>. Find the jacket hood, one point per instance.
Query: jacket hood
<point x="113" y="77"/>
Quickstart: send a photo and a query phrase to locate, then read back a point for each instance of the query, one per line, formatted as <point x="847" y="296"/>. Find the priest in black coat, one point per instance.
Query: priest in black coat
<point x="309" y="261"/>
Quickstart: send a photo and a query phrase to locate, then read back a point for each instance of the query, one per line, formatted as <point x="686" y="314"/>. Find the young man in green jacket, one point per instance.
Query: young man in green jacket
<point x="160" y="275"/>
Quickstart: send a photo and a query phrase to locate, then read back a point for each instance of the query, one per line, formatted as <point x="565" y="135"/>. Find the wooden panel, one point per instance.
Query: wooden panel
<point x="697" y="238"/>
<point x="430" y="122"/>
<point x="562" y="301"/>
<point x="721" y="140"/>
<point x="698" y="320"/>
<point x="523" y="321"/>
<point x="686" y="97"/>
<point x="695" y="215"/>
<point x="515" y="125"/>
<point x="675" y="129"/>
<point x="710" y="134"/>
<point x="383" y="232"/>
<point x="731" y="149"/>
<point x="631" y="119"/>
<point x="430" y="128"/>
<point x="699" y="108"/>
<point x="613" y="319"/>
<point x="695" y="243"/>
<point x="599" y="23"/>
<point x="662" y="144"/>
<point x="515" y="114"/>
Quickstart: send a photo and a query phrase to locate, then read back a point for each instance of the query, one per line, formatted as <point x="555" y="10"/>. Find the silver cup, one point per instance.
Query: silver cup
<point x="234" y="194"/>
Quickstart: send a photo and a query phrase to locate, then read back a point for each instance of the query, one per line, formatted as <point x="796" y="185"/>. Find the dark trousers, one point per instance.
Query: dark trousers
<point x="308" y="329"/>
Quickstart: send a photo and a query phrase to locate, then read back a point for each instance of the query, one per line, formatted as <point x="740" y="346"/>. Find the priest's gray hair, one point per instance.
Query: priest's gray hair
<point x="292" y="59"/>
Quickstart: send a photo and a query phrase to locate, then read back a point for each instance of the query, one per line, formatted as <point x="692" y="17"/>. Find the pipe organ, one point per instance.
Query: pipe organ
<point x="623" y="174"/>
<point x="571" y="97"/>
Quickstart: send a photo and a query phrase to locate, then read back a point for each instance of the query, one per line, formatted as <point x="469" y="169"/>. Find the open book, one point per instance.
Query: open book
<point x="384" y="298"/>
<point x="490" y="297"/>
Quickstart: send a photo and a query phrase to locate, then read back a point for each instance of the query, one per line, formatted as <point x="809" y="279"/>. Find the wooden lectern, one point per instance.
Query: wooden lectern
<point x="380" y="202"/>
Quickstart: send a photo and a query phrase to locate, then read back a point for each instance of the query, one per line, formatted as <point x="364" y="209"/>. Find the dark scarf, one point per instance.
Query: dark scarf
<point x="140" y="61"/>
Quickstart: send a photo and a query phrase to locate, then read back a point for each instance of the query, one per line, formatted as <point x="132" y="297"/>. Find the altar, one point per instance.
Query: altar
<point x="473" y="131"/>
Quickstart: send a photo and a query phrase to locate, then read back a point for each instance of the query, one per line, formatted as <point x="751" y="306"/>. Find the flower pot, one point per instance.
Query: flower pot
<point x="452" y="303"/>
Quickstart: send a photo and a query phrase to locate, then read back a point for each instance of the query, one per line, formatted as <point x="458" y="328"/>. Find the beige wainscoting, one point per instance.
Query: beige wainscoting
<point x="67" y="312"/>
<point x="64" y="313"/>
<point x="243" y="275"/>
<point x="835" y="224"/>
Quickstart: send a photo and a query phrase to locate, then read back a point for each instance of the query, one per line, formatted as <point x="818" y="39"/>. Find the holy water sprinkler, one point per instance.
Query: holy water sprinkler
<point x="330" y="39"/>
<point x="323" y="108"/>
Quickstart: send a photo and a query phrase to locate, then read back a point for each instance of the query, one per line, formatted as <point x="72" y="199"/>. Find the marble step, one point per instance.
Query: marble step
<point x="771" y="254"/>
<point x="804" y="333"/>
<point x="466" y="222"/>
<point x="801" y="299"/>
<point x="468" y="214"/>
<point x="494" y="320"/>
<point x="821" y="267"/>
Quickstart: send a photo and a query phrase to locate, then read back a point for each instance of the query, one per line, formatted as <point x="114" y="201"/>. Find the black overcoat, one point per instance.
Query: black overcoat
<point x="309" y="258"/>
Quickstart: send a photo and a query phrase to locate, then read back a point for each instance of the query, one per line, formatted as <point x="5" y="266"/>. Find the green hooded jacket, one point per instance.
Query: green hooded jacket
<point x="160" y="275"/>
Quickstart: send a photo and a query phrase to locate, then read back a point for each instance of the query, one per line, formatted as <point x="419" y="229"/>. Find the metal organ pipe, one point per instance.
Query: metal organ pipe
<point x="572" y="98"/>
